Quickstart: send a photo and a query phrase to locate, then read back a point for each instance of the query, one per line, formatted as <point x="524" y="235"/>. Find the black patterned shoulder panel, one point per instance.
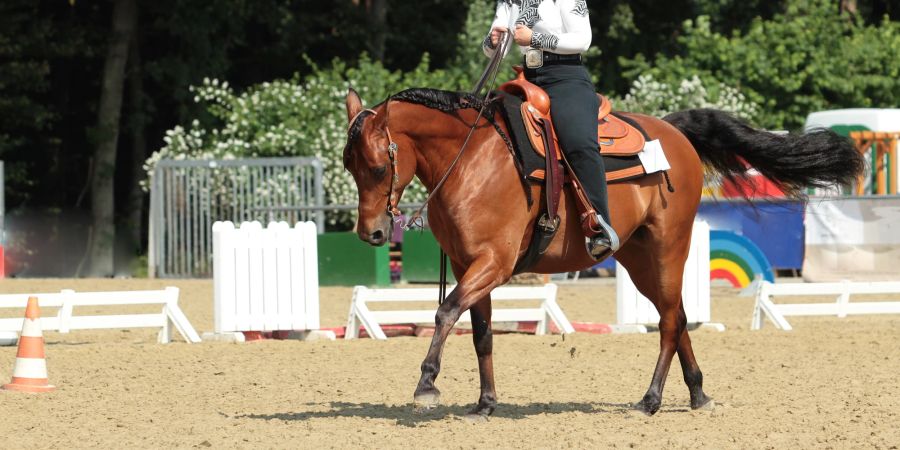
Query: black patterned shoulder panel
<point x="509" y="2"/>
<point x="581" y="8"/>
<point x="529" y="15"/>
<point x="544" y="41"/>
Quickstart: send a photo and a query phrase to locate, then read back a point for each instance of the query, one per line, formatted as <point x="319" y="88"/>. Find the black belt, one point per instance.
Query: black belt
<point x="556" y="58"/>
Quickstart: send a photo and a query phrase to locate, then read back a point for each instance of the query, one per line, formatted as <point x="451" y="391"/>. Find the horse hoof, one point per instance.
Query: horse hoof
<point x="710" y="405"/>
<point x="638" y="412"/>
<point x="427" y="400"/>
<point x="645" y="409"/>
<point x="476" y="418"/>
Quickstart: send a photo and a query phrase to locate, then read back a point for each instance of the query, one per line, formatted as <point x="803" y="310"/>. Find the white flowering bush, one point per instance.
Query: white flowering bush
<point x="294" y="118"/>
<point x="656" y="98"/>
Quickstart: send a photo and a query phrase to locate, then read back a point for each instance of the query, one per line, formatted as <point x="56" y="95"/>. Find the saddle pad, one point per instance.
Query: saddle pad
<point x="618" y="168"/>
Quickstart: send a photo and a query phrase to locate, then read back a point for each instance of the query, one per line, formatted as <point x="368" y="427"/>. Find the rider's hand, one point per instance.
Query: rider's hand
<point x="523" y="35"/>
<point x="496" y="33"/>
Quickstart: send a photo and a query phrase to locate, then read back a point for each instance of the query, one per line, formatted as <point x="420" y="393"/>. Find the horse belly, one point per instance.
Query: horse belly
<point x="567" y="251"/>
<point x="628" y="206"/>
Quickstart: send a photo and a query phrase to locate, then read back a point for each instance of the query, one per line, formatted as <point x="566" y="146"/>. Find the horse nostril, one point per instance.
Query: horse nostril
<point x="377" y="236"/>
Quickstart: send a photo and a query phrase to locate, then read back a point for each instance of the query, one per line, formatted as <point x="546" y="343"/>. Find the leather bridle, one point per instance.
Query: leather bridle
<point x="490" y="74"/>
<point x="392" y="209"/>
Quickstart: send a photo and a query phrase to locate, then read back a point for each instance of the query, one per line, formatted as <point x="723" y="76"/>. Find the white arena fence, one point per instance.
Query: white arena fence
<point x="360" y="313"/>
<point x="635" y="310"/>
<point x="842" y="307"/>
<point x="171" y="317"/>
<point x="265" y="279"/>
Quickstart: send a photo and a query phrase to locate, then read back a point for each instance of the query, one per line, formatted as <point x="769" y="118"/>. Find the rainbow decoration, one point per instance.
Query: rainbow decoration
<point x="737" y="259"/>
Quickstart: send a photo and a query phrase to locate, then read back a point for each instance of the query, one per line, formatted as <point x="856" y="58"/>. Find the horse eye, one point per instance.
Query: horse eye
<point x="380" y="171"/>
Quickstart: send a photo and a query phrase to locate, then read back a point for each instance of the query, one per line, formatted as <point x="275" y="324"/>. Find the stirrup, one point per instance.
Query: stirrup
<point x="605" y="242"/>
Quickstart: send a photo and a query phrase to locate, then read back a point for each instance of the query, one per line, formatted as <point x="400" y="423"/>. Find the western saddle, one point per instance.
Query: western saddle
<point x="615" y="136"/>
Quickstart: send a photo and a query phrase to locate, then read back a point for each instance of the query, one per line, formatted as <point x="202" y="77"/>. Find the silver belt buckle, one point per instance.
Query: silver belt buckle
<point x="534" y="58"/>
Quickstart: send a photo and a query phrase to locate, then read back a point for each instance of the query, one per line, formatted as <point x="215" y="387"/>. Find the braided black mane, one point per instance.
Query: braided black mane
<point x="448" y="102"/>
<point x="445" y="101"/>
<point x="451" y="102"/>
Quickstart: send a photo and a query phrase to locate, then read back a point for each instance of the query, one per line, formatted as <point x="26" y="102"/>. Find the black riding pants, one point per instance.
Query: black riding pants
<point x="573" y="107"/>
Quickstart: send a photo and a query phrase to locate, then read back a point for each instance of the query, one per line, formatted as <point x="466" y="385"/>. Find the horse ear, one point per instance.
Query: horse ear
<point x="383" y="116"/>
<point x="354" y="104"/>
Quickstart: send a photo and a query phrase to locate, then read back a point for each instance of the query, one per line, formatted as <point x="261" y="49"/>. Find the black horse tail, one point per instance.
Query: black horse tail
<point x="793" y="162"/>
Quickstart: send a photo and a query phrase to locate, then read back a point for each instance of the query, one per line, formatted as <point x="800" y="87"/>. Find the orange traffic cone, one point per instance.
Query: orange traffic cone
<point x="30" y="371"/>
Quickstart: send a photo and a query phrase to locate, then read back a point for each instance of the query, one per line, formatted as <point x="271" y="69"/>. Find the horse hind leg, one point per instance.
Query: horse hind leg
<point x="657" y="268"/>
<point x="693" y="377"/>
<point x="483" y="339"/>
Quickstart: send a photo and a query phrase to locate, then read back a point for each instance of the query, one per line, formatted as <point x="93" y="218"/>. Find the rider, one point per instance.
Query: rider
<point x="552" y="34"/>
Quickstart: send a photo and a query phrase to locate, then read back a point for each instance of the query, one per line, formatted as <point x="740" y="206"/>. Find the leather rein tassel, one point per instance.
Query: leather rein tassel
<point x="442" y="288"/>
<point x="668" y="182"/>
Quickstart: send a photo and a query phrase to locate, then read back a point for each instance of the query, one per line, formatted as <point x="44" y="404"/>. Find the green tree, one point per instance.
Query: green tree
<point x="806" y="59"/>
<point x="38" y="43"/>
<point x="23" y="69"/>
<point x="103" y="229"/>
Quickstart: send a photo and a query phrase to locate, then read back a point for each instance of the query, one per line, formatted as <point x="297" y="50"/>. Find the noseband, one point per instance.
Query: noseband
<point x="392" y="209"/>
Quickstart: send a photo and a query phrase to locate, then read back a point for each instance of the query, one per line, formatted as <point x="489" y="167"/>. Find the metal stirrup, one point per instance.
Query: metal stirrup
<point x="610" y="233"/>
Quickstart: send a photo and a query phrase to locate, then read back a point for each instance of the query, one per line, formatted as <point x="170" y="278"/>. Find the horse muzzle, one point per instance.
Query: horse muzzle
<point x="378" y="234"/>
<point x="376" y="238"/>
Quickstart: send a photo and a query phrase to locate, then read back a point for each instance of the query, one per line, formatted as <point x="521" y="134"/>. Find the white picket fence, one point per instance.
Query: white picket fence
<point x="842" y="307"/>
<point x="170" y="318"/>
<point x="634" y="309"/>
<point x="360" y="313"/>
<point x="265" y="279"/>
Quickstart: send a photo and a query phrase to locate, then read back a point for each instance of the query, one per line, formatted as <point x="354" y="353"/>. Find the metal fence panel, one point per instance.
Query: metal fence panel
<point x="188" y="196"/>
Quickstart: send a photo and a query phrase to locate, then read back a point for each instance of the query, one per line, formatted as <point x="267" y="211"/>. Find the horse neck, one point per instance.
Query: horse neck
<point x="436" y="138"/>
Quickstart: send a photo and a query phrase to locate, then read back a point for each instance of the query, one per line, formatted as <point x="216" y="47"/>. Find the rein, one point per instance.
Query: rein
<point x="416" y="219"/>
<point x="491" y="73"/>
<point x="392" y="210"/>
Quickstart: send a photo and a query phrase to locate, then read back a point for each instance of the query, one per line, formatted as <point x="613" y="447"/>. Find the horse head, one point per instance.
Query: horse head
<point x="373" y="159"/>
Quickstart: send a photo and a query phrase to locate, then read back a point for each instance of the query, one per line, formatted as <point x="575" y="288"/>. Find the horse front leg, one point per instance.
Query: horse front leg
<point x="477" y="283"/>
<point x="693" y="377"/>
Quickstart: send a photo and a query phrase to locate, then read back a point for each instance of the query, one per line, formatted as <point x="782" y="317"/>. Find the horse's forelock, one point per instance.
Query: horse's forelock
<point x="353" y="133"/>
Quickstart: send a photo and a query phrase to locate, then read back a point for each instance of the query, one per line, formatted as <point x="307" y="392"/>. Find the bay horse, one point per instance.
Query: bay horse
<point x="483" y="217"/>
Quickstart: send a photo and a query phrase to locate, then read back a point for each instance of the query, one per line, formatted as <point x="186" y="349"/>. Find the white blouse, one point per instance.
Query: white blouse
<point x="558" y="26"/>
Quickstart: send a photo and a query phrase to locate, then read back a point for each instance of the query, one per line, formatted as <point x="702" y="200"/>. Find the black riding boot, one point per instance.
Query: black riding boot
<point x="573" y="107"/>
